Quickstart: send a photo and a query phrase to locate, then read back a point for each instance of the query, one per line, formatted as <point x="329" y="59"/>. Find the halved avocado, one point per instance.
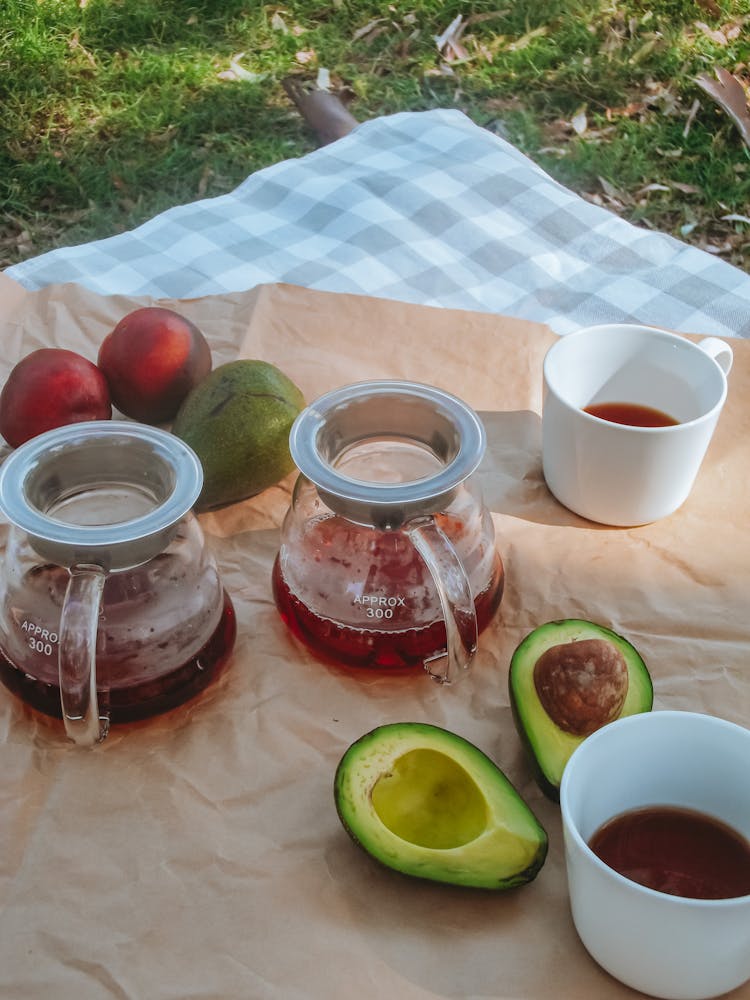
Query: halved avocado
<point x="429" y="804"/>
<point x="567" y="679"/>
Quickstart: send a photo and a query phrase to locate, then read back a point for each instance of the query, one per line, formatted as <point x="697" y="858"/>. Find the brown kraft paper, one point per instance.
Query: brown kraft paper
<point x="199" y="854"/>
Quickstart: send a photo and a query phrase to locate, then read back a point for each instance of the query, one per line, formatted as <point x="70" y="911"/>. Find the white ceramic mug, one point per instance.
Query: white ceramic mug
<point x="665" y="946"/>
<point x="626" y="475"/>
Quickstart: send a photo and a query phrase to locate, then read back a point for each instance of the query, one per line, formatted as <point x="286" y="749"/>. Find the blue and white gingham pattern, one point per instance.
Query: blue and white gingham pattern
<point x="423" y="207"/>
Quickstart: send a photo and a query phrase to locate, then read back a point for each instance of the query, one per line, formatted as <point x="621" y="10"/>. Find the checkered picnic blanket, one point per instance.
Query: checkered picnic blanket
<point x="423" y="207"/>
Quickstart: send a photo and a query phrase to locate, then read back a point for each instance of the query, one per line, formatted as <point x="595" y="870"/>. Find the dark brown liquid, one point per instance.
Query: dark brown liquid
<point x="677" y="851"/>
<point x="632" y="414"/>
<point x="401" y="648"/>
<point x="133" y="701"/>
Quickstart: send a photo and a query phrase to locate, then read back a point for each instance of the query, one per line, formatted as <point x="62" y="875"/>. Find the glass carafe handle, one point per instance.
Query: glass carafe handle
<point x="455" y="597"/>
<point x="77" y="656"/>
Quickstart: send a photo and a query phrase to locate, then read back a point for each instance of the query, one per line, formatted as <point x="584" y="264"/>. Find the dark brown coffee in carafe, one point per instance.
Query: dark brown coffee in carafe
<point x="145" y="664"/>
<point x="394" y="580"/>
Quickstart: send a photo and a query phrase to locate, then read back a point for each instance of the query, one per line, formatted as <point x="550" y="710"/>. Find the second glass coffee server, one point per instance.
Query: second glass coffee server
<point x="387" y="558"/>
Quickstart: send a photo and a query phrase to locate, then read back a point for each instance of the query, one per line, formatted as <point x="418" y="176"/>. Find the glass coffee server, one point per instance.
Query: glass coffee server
<point x="111" y="605"/>
<point x="387" y="558"/>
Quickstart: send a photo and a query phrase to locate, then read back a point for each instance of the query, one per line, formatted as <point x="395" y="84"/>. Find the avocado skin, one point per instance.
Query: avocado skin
<point x="482" y="862"/>
<point x="552" y="791"/>
<point x="640" y="693"/>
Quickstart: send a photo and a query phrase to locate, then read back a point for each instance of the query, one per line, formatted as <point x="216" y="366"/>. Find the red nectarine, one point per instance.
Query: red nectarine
<point x="48" y="388"/>
<point x="151" y="360"/>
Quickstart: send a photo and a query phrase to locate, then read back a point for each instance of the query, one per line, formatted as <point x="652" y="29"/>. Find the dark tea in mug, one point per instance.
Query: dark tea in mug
<point x="631" y="414"/>
<point x="679" y="851"/>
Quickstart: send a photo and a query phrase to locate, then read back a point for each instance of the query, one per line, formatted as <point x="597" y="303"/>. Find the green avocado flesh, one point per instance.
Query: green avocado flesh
<point x="548" y="745"/>
<point x="429" y="804"/>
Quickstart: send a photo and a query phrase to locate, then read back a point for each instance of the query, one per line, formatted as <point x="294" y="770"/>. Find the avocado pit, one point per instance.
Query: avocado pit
<point x="582" y="684"/>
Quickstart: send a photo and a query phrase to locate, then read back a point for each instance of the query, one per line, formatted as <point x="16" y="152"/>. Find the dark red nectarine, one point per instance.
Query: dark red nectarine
<point x="152" y="359"/>
<point x="48" y="388"/>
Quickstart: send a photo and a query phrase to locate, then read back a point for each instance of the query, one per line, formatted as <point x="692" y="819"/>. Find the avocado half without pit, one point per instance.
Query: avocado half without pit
<point x="567" y="679"/>
<point x="429" y="804"/>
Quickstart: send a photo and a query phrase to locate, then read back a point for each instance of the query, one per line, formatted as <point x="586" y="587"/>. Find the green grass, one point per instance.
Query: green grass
<point x="113" y="110"/>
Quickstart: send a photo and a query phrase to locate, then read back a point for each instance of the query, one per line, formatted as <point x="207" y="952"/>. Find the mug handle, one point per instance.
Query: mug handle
<point x="77" y="656"/>
<point x="454" y="590"/>
<point x="719" y="350"/>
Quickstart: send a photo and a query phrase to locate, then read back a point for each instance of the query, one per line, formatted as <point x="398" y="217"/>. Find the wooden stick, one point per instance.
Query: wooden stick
<point x="323" y="110"/>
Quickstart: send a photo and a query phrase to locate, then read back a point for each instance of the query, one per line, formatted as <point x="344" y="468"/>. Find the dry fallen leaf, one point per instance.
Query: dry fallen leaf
<point x="716" y="248"/>
<point x="442" y="70"/>
<point x="528" y="38"/>
<point x="691" y="117"/>
<point x="74" y="43"/>
<point x="661" y="96"/>
<point x="717" y="36"/>
<point x="615" y="196"/>
<point x="729" y="94"/>
<point x="237" y="72"/>
<point x="448" y="42"/>
<point x="367" y="29"/>
<point x="485" y="52"/>
<point x="732" y="31"/>
<point x="625" y="111"/>
<point x="579" y="121"/>
<point x="614" y="40"/>
<point x="646" y="49"/>
<point x="205" y="177"/>
<point x="652" y="187"/>
<point x="305" y="56"/>
<point x="491" y="15"/>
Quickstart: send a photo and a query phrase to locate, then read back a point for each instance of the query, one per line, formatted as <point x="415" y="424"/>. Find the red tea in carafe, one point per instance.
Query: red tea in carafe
<point x="144" y="666"/>
<point x="363" y="597"/>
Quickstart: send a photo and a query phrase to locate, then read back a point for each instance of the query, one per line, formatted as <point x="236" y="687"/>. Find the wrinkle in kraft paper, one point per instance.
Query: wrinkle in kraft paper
<point x="199" y="854"/>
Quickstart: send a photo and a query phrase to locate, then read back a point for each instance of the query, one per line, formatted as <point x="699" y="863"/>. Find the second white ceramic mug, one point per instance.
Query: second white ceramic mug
<point x="666" y="946"/>
<point x="620" y="474"/>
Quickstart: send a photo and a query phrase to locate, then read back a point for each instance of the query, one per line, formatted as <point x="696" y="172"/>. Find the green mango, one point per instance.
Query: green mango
<point x="237" y="420"/>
